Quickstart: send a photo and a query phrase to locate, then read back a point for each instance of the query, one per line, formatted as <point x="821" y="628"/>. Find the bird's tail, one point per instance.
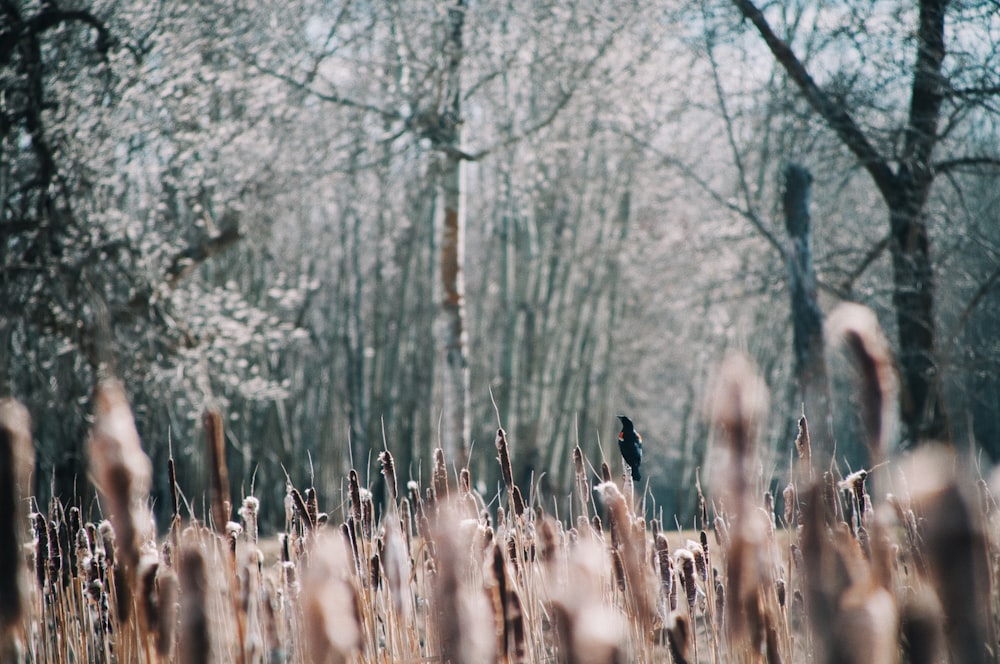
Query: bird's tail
<point x="635" y="474"/>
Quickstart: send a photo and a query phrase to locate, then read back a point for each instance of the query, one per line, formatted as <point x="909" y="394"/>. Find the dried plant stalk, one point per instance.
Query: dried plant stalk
<point x="121" y="470"/>
<point x="217" y="468"/>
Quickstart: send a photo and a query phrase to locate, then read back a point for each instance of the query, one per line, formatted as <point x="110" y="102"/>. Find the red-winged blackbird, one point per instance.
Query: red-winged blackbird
<point x="630" y="443"/>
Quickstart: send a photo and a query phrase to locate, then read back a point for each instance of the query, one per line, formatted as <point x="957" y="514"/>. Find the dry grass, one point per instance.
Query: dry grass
<point x="838" y="576"/>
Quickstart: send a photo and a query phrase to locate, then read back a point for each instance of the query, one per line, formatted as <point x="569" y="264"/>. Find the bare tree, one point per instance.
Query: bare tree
<point x="904" y="173"/>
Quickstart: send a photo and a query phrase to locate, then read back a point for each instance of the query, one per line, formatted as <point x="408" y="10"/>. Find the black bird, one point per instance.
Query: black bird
<point x="630" y="443"/>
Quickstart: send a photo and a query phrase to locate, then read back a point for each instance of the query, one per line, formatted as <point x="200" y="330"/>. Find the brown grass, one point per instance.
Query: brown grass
<point x="841" y="576"/>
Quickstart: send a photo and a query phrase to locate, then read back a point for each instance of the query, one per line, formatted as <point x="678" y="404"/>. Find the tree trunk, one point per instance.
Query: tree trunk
<point x="905" y="192"/>
<point x="807" y="319"/>
<point x="455" y="374"/>
<point x="921" y="405"/>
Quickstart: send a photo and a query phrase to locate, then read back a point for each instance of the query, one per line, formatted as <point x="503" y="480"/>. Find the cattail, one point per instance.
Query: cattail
<point x="396" y="565"/>
<point x="106" y="531"/>
<point x="618" y="567"/>
<point x="773" y="651"/>
<point x="389" y="472"/>
<point x="70" y="527"/>
<point x="867" y="626"/>
<point x="855" y="485"/>
<point x="354" y="488"/>
<point x="465" y="483"/>
<point x="922" y="625"/>
<point x="233" y="532"/>
<point x="618" y="513"/>
<point x="499" y="598"/>
<point x="678" y="636"/>
<point x="803" y="446"/>
<point x="217" y="469"/>
<point x="831" y="505"/>
<point x="375" y="572"/>
<point x="249" y="513"/>
<point x="55" y="551"/>
<point x="440" y="475"/>
<point x="367" y="515"/>
<point x="788" y="495"/>
<point x="955" y="547"/>
<point x="700" y="565"/>
<point x="517" y="500"/>
<point x="121" y="470"/>
<point x="858" y="328"/>
<point x="511" y="634"/>
<point x="547" y="535"/>
<point x="461" y="615"/>
<point x="605" y="472"/>
<point x="703" y="536"/>
<point x="347" y="530"/>
<point x="515" y="559"/>
<point x="166" y="593"/>
<point x="84" y="552"/>
<point x="503" y="456"/>
<point x="195" y="637"/>
<point x="737" y="403"/>
<point x="301" y="509"/>
<point x="686" y="562"/>
<point x="416" y="500"/>
<point x="312" y="506"/>
<point x="664" y="563"/>
<point x="149" y="609"/>
<point x="17" y="460"/>
<point x="720" y="605"/>
<point x="406" y="522"/>
<point x="580" y="476"/>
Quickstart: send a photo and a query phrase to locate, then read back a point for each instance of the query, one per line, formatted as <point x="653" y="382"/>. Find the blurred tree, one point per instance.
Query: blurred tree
<point x="902" y="164"/>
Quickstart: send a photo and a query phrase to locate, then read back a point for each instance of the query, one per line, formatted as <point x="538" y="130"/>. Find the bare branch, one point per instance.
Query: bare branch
<point x="948" y="165"/>
<point x="561" y="103"/>
<point x="984" y="289"/>
<point x="685" y="169"/>
<point x="331" y="97"/>
<point x="741" y="170"/>
<point x="870" y="257"/>
<point x="835" y="115"/>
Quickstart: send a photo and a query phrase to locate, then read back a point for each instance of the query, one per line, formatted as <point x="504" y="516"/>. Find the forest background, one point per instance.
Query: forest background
<point x="359" y="224"/>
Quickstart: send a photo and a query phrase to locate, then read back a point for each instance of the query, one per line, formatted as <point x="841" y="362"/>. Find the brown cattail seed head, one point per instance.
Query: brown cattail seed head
<point x="686" y="562"/>
<point x="354" y="488"/>
<point x="737" y="403"/>
<point x="788" y="494"/>
<point x="121" y="470"/>
<point x="440" y="474"/>
<point x="248" y="512"/>
<point x="503" y="456"/>
<point x="803" y="445"/>
<point x="389" y="472"/>
<point x="857" y="327"/>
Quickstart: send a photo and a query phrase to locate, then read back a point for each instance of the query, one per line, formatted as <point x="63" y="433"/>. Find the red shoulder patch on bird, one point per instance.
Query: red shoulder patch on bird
<point x="621" y="435"/>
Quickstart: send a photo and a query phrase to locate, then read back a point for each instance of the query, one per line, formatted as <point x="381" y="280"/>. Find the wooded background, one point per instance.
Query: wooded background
<point x="353" y="224"/>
